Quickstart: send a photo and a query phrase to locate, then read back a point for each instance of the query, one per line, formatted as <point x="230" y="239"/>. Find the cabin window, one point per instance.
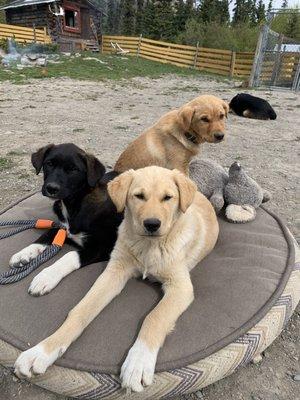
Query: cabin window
<point x="72" y="19"/>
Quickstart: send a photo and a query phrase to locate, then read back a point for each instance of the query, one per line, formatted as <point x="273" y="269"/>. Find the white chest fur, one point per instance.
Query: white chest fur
<point x="78" y="238"/>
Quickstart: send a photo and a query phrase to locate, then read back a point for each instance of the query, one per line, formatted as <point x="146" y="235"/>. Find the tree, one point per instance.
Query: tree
<point x="149" y="20"/>
<point x="240" y="12"/>
<point x="270" y="6"/>
<point x="164" y="20"/>
<point x="111" y="16"/>
<point x="293" y="27"/>
<point x="260" y="11"/>
<point x="128" y="17"/>
<point x="284" y="4"/>
<point x="208" y="10"/>
<point x="224" y="15"/>
<point x="139" y="21"/>
<point x="183" y="12"/>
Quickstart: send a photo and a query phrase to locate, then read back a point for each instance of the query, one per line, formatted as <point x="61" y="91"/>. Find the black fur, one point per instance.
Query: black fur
<point x="256" y="107"/>
<point x="79" y="183"/>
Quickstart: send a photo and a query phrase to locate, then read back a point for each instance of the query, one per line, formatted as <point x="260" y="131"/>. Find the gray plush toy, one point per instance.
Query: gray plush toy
<point x="241" y="194"/>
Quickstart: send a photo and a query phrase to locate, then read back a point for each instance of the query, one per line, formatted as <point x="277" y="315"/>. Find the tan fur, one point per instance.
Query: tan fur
<point x="165" y="143"/>
<point x="188" y="232"/>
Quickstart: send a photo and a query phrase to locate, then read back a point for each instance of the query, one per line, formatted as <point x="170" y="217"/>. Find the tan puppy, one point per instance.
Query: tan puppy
<point x="168" y="228"/>
<point x="176" y="137"/>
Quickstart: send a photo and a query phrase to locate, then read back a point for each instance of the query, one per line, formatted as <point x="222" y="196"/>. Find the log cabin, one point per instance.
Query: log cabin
<point x="72" y="24"/>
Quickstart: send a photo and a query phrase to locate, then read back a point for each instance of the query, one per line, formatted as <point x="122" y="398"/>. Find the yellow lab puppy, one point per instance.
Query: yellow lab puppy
<point x="176" y="137"/>
<point x="168" y="228"/>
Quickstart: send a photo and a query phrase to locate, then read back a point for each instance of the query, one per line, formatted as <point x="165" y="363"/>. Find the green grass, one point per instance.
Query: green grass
<point x="5" y="163"/>
<point x="113" y="68"/>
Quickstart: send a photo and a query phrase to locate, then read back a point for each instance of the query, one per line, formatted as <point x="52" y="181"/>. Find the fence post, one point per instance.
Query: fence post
<point x="232" y="63"/>
<point x="45" y="35"/>
<point x="139" y="46"/>
<point x="34" y="33"/>
<point x="196" y="55"/>
<point x="259" y="55"/>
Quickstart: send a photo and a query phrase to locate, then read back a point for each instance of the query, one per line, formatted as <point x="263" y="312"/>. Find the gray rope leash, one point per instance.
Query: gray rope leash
<point x="16" y="273"/>
<point x="22" y="226"/>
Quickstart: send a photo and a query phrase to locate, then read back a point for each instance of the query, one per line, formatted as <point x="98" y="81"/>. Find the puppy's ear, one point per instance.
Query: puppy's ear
<point x="118" y="189"/>
<point x="187" y="190"/>
<point x="95" y="170"/>
<point x="185" y="116"/>
<point x="37" y="158"/>
<point x="226" y="108"/>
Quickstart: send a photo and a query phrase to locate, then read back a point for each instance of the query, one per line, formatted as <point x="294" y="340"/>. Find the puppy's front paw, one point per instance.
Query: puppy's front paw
<point x="24" y="256"/>
<point x="44" y="282"/>
<point x="138" y="368"/>
<point x="34" y="361"/>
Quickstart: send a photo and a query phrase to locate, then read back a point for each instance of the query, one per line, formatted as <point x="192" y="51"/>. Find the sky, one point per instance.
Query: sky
<point x="276" y="3"/>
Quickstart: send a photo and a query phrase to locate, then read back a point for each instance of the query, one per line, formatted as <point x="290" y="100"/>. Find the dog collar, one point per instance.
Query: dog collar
<point x="191" y="138"/>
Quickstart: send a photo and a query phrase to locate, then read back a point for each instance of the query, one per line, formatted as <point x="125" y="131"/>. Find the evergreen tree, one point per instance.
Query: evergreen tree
<point x="139" y="21"/>
<point x="242" y="12"/>
<point x="224" y="15"/>
<point x="293" y="27"/>
<point x="260" y="11"/>
<point x="284" y="4"/>
<point x="118" y="16"/>
<point x="128" y="17"/>
<point x="164" y="20"/>
<point x="180" y="16"/>
<point x="208" y="10"/>
<point x="252" y="12"/>
<point x="149" y="20"/>
<point x="270" y="6"/>
<point x="111" y="17"/>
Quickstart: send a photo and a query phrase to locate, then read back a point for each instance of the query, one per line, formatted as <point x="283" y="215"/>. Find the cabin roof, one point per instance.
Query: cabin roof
<point x="24" y="3"/>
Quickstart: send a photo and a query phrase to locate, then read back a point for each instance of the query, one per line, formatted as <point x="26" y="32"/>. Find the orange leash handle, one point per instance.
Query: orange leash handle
<point x="60" y="237"/>
<point x="44" y="223"/>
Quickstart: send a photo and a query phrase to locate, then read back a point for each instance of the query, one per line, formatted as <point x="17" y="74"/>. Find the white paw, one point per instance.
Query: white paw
<point x="50" y="277"/>
<point x="34" y="361"/>
<point x="138" y="368"/>
<point x="44" y="282"/>
<point x="24" y="256"/>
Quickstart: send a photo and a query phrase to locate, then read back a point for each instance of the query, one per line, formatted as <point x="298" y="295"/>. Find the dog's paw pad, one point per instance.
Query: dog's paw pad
<point x="138" y="368"/>
<point x="24" y="256"/>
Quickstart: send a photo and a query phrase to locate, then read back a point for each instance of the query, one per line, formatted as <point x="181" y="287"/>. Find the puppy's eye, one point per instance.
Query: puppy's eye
<point x="204" y="119"/>
<point x="222" y="116"/>
<point x="49" y="163"/>
<point x="166" y="197"/>
<point x="140" y="196"/>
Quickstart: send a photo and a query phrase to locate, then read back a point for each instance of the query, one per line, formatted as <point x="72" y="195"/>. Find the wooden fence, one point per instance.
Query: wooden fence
<point x="224" y="62"/>
<point x="24" y="35"/>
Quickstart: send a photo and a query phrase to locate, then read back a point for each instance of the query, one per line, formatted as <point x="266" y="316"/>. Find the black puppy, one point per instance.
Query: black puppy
<point x="78" y="184"/>
<point x="246" y="105"/>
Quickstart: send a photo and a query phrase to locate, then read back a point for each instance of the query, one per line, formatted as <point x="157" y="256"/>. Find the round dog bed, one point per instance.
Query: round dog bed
<point x="245" y="292"/>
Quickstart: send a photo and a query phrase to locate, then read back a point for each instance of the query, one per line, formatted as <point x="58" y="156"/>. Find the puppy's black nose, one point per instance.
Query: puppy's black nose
<point x="219" y="136"/>
<point x="52" y="188"/>
<point x="152" y="224"/>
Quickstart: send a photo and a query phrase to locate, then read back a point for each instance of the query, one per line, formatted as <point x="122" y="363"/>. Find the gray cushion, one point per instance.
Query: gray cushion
<point x="235" y="286"/>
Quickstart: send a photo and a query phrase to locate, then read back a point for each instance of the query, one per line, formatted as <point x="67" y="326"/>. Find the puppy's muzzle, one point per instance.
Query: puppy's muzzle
<point x="152" y="225"/>
<point x="219" y="136"/>
<point x="52" y="189"/>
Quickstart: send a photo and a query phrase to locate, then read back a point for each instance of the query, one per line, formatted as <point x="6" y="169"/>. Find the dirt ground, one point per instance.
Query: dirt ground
<point x="103" y="118"/>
